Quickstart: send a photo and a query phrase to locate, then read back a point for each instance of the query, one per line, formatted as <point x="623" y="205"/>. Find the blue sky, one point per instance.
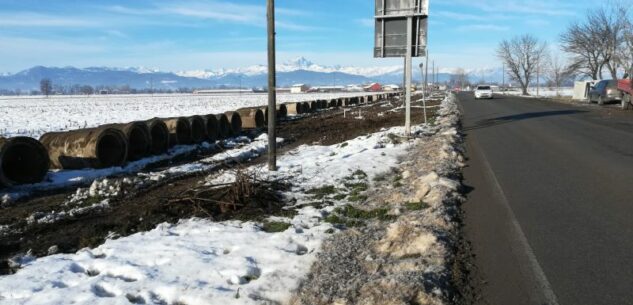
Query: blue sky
<point x="208" y="34"/>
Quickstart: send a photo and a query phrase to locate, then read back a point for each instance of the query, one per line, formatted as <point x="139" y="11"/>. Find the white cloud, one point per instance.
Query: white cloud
<point x="533" y="7"/>
<point x="22" y="19"/>
<point x="483" y="27"/>
<point x="366" y="22"/>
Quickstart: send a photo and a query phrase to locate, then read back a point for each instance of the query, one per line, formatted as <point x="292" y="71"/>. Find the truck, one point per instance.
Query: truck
<point x="625" y="86"/>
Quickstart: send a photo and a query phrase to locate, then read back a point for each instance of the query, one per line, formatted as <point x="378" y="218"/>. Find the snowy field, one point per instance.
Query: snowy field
<point x="34" y="116"/>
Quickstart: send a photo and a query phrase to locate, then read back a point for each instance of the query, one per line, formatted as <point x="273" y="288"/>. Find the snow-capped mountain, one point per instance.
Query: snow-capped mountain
<point x="298" y="64"/>
<point x="299" y="70"/>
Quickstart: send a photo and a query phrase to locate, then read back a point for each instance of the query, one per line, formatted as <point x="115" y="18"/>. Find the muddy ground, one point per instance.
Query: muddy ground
<point x="143" y="210"/>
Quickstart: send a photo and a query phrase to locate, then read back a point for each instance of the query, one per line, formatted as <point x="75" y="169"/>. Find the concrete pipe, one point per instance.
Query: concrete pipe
<point x="307" y="107"/>
<point x="315" y="106"/>
<point x="252" y="118"/>
<point x="294" y="108"/>
<point x="198" y="129"/>
<point x="159" y="134"/>
<point x="22" y="161"/>
<point x="139" y="139"/>
<point x="212" y="127"/>
<point x="282" y="112"/>
<point x="224" y="126"/>
<point x="235" y="121"/>
<point x="333" y="103"/>
<point x="86" y="148"/>
<point x="179" y="131"/>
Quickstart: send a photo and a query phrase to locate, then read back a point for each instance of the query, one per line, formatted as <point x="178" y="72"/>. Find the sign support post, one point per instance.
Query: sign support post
<point x="407" y="72"/>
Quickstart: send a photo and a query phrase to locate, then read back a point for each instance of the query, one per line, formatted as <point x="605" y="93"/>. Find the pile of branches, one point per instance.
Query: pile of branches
<point x="247" y="194"/>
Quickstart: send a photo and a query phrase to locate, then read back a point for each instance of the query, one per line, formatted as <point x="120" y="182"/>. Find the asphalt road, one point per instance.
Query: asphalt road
<point x="550" y="203"/>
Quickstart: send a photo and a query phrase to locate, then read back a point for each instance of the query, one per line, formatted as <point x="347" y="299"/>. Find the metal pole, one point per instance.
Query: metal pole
<point x="426" y="72"/>
<point x="433" y="73"/>
<point x="538" y="77"/>
<point x="272" y="89"/>
<point x="503" y="72"/>
<point x="404" y="73"/>
<point x="407" y="73"/>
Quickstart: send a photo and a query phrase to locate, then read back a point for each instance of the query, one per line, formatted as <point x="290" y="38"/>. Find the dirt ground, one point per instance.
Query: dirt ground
<point x="147" y="208"/>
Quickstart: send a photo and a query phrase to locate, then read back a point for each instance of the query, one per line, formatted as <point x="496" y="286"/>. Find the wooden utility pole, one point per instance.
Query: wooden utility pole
<point x="272" y="89"/>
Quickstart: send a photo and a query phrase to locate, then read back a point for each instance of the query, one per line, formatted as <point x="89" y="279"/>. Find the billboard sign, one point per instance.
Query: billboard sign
<point x="391" y="27"/>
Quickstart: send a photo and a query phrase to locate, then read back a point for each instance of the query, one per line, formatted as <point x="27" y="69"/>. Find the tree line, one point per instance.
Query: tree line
<point x="600" y="43"/>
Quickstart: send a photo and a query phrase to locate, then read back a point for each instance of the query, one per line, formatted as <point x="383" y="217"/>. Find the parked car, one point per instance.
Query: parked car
<point x="483" y="92"/>
<point x="605" y="91"/>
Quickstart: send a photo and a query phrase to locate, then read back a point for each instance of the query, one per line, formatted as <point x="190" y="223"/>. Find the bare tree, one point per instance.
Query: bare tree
<point x="459" y="78"/>
<point x="598" y="42"/>
<point x="626" y="51"/>
<point x="557" y="71"/>
<point x="522" y="55"/>
<point x="611" y="24"/>
<point x="46" y="86"/>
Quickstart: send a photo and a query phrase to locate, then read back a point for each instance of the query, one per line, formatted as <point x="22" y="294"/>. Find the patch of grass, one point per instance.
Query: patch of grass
<point x="397" y="181"/>
<point x="341" y="221"/>
<point x="357" y="186"/>
<point x="320" y="204"/>
<point x="356" y="197"/>
<point x="92" y="200"/>
<point x="352" y="212"/>
<point x="350" y="216"/>
<point x="275" y="226"/>
<point x="344" y="145"/>
<point x="339" y="197"/>
<point x="359" y="174"/>
<point x="416" y="206"/>
<point x="332" y="154"/>
<point x="394" y="138"/>
<point x="322" y="192"/>
<point x="380" y="177"/>
<point x="329" y="231"/>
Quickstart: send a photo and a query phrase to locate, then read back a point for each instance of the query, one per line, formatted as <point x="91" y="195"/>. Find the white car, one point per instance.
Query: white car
<point x="483" y="92"/>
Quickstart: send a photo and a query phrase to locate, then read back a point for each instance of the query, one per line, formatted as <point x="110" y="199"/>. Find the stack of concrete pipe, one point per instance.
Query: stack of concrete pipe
<point x="25" y="160"/>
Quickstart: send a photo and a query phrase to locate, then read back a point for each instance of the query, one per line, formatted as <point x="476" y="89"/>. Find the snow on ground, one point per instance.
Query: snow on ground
<point x="201" y="262"/>
<point x="34" y="116"/>
<point x="545" y="92"/>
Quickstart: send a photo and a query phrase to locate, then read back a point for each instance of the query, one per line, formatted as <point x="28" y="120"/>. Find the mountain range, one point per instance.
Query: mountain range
<point x="298" y="71"/>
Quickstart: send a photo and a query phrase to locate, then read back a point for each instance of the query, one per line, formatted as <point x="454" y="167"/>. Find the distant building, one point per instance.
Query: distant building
<point x="391" y="88"/>
<point x="299" y="88"/>
<point x="325" y="89"/>
<point x="354" y="88"/>
<point x="374" y="87"/>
